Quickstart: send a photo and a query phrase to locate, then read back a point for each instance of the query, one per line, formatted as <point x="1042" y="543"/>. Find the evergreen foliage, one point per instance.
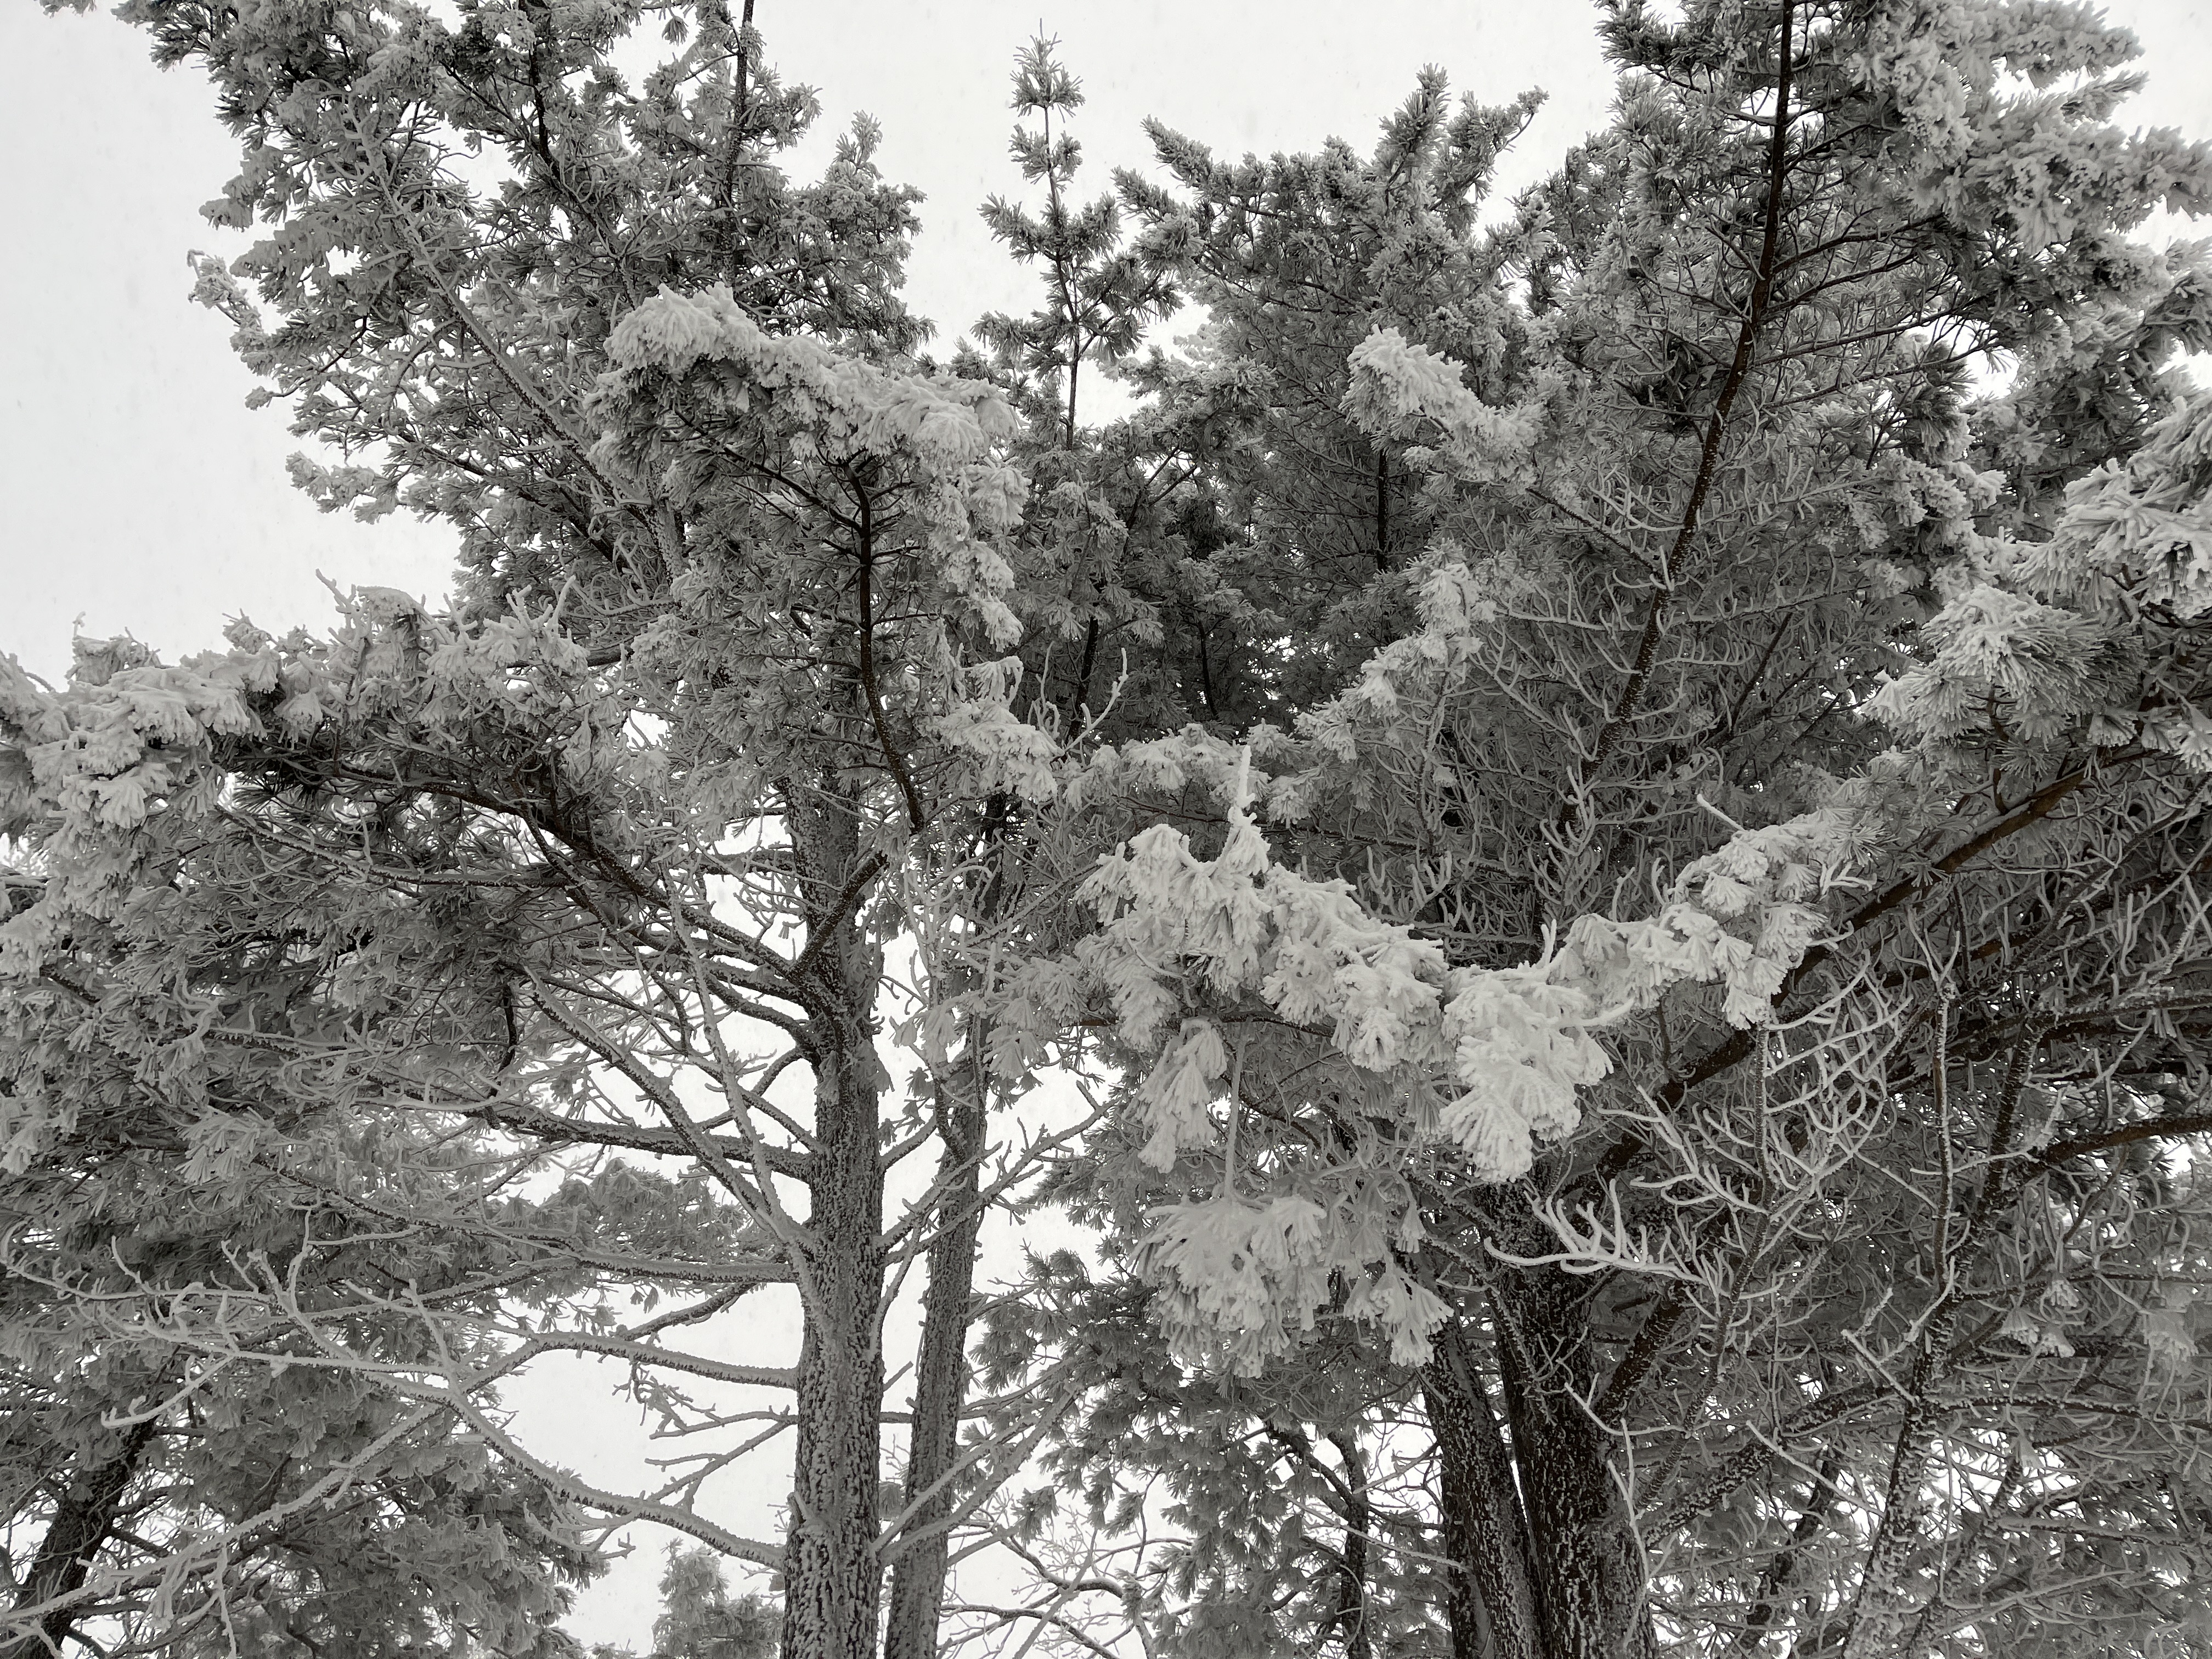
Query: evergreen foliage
<point x="699" y="1618"/>
<point x="1603" y="798"/>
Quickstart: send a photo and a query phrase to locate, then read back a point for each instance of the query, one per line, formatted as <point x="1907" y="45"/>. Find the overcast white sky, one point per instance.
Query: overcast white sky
<point x="137" y="494"/>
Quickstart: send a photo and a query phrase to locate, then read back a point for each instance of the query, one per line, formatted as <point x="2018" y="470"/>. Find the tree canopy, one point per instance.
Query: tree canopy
<point x="1579" y="841"/>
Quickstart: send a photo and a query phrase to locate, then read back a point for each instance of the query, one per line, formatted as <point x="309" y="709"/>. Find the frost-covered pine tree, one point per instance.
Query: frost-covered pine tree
<point x="1657" y="1108"/>
<point x="1614" y="798"/>
<point x="188" y="1472"/>
<point x="588" y="884"/>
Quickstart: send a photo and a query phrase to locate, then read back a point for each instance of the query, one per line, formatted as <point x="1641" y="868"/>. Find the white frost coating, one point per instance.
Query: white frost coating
<point x="1397" y="386"/>
<point x="1993" y="645"/>
<point x="1521" y="1048"/>
<point x="1741" y="916"/>
<point x="2050" y="636"/>
<point x="1511" y="1047"/>
<point x="1010" y="752"/>
<point x="2144" y="524"/>
<point x="1014" y="754"/>
<point x="857" y="407"/>
<point x="1456" y="610"/>
<point x="1179" y="1089"/>
<point x="109" y="757"/>
<point x="944" y="436"/>
<point x="1976" y="148"/>
<point x="1242" y="923"/>
<point x="1237" y="1277"/>
<point x="1250" y="1272"/>
<point x="2168" y="1332"/>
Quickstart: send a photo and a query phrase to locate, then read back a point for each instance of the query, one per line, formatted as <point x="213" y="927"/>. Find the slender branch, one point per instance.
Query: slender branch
<point x="1754" y="318"/>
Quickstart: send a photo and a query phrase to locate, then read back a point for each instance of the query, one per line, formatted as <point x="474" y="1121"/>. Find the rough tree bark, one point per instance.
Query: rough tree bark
<point x="940" y="1371"/>
<point x="1352" y="1624"/>
<point x="83" y="1522"/>
<point x="1581" y="1543"/>
<point x="1490" y="1600"/>
<point x="831" y="1575"/>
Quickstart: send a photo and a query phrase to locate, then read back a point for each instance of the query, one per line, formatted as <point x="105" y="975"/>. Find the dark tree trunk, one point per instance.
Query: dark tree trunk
<point x="940" y="1371"/>
<point x="1382" y="508"/>
<point x="1352" y="1622"/>
<point x="831" y="1577"/>
<point x="1490" y="1600"/>
<point x="940" y="1387"/>
<point x="1078" y="698"/>
<point x="1582" y="1551"/>
<point x="83" y="1522"/>
<point x="1774" y="1584"/>
<point x="832" y="1574"/>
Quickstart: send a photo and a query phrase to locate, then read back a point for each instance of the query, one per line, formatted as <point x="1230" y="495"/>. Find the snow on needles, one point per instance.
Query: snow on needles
<point x="858" y="407"/>
<point x="1201" y="956"/>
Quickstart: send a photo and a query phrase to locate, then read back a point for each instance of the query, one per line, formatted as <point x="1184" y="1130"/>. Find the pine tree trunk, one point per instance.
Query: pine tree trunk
<point x="940" y="1375"/>
<point x="81" y="1523"/>
<point x="833" y="1578"/>
<point x="1583" y="1550"/>
<point x="1875" y="1622"/>
<point x="1776" y="1583"/>
<point x="1490" y="1600"/>
<point x="940" y="1389"/>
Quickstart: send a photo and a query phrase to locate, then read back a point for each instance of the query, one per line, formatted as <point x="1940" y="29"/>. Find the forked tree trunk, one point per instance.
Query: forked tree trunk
<point x="940" y="1387"/>
<point x="1490" y="1600"/>
<point x="1581" y="1543"/>
<point x="1542" y="1551"/>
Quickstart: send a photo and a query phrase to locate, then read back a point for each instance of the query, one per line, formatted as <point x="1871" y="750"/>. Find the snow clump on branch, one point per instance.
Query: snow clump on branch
<point x="1198" y="957"/>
